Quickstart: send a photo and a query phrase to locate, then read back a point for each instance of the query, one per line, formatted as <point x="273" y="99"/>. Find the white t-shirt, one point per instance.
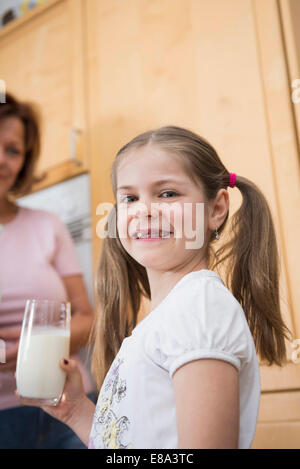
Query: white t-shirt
<point x="199" y="318"/>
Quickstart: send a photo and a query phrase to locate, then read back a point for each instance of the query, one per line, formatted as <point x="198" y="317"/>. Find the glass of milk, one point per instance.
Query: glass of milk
<point x="45" y="339"/>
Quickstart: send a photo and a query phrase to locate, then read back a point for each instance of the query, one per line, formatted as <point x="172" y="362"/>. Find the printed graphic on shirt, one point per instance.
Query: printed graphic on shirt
<point x="110" y="430"/>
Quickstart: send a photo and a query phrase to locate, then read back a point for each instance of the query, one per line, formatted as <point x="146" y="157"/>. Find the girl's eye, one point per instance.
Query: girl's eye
<point x="126" y="200"/>
<point x="165" y="195"/>
<point x="169" y="194"/>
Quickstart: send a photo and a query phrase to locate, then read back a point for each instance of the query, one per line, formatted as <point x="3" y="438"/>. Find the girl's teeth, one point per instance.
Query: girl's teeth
<point x="164" y="234"/>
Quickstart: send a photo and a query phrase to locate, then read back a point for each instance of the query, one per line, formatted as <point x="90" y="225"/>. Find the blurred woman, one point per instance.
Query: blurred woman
<point x="37" y="260"/>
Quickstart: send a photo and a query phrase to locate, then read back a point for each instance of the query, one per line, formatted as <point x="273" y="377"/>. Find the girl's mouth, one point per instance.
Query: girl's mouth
<point x="151" y="235"/>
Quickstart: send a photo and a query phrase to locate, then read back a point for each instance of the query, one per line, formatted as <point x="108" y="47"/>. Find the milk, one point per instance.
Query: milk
<point x="39" y="375"/>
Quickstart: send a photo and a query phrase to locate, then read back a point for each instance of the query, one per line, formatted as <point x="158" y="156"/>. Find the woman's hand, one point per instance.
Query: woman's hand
<point x="74" y="408"/>
<point x="10" y="336"/>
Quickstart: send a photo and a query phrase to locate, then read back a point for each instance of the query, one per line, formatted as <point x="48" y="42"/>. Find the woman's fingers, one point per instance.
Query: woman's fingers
<point x="74" y="386"/>
<point x="71" y="368"/>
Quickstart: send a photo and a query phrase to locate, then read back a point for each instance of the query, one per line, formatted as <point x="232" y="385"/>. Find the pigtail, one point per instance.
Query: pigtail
<point x="252" y="271"/>
<point x="120" y="284"/>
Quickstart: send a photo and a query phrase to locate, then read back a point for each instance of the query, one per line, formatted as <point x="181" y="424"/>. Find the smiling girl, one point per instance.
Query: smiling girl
<point x="187" y="375"/>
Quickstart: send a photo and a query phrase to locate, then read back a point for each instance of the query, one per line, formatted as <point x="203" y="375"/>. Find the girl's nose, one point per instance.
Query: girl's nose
<point x="146" y="209"/>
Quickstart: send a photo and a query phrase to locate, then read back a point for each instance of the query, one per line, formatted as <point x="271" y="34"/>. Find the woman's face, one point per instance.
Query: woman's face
<point x="12" y="152"/>
<point x="159" y="210"/>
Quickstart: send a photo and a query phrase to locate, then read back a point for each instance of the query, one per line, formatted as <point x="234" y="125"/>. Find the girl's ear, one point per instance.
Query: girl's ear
<point x="218" y="209"/>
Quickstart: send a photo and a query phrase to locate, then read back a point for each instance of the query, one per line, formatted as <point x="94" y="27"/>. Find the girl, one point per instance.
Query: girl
<point x="187" y="375"/>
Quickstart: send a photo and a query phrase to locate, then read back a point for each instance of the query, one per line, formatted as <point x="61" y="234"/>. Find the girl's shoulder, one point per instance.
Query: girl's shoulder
<point x="200" y="291"/>
<point x="199" y="318"/>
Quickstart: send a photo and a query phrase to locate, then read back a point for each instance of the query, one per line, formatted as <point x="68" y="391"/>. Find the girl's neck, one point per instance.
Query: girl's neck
<point x="161" y="283"/>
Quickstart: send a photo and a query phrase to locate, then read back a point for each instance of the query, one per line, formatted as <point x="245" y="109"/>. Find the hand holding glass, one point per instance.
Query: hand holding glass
<point x="44" y="341"/>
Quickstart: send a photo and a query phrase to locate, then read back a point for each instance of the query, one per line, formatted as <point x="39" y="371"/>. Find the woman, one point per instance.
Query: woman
<point x="37" y="260"/>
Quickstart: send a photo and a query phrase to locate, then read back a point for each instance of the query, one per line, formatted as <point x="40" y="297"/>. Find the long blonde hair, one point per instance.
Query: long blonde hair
<point x="250" y="257"/>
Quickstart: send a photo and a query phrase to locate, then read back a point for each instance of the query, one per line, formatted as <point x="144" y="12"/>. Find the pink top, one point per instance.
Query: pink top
<point x="36" y="250"/>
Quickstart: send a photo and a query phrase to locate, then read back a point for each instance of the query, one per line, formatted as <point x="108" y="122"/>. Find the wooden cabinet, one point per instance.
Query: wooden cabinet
<point x="279" y="421"/>
<point x="42" y="60"/>
<point x="218" y="68"/>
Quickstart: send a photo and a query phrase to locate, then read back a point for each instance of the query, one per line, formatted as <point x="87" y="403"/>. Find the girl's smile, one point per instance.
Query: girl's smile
<point x="151" y="234"/>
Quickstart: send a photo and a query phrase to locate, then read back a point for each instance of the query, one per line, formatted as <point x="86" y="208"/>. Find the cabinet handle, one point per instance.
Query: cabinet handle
<point x="73" y="134"/>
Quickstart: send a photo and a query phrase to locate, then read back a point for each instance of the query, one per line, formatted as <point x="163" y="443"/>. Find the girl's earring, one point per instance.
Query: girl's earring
<point x="217" y="234"/>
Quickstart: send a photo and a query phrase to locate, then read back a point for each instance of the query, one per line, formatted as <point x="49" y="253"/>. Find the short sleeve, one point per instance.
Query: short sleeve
<point x="65" y="260"/>
<point x="200" y="320"/>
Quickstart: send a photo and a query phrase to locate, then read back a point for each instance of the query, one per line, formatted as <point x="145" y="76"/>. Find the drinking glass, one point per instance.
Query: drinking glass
<point x="45" y="339"/>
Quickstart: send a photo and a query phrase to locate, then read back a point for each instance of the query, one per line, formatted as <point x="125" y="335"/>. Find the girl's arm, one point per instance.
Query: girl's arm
<point x="207" y="404"/>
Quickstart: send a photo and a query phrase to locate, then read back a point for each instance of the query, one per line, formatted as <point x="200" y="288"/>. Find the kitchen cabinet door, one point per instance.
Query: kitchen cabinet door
<point x="42" y="60"/>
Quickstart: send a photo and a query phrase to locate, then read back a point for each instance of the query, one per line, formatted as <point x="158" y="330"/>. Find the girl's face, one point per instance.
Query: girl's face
<point x="12" y="152"/>
<point x="157" y="210"/>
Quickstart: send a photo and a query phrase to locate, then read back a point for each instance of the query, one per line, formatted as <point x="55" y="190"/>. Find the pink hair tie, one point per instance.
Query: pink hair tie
<point x="232" y="179"/>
